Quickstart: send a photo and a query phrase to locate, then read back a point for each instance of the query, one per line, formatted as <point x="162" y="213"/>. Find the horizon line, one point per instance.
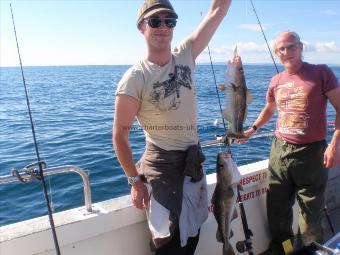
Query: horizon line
<point x="199" y="63"/>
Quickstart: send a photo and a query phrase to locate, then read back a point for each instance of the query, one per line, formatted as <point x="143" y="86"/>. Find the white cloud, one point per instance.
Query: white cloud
<point x="253" y="47"/>
<point x="252" y="27"/>
<point x="253" y="52"/>
<point x="330" y="47"/>
<point x="243" y="47"/>
<point x="308" y="47"/>
<point x="327" y="47"/>
<point x="329" y="12"/>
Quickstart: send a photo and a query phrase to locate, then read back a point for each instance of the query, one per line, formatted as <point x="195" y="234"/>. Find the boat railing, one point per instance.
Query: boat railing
<point x="27" y="174"/>
<point x="222" y="139"/>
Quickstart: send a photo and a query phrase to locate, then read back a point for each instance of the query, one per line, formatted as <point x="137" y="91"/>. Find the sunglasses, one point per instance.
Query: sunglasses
<point x="156" y="22"/>
<point x="291" y="47"/>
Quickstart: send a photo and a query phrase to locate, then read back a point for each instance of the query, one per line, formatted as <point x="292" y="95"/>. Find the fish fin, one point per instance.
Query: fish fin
<point x="235" y="215"/>
<point x="231" y="234"/>
<point x="245" y="114"/>
<point x="222" y="87"/>
<point x="213" y="198"/>
<point x="219" y="237"/>
<point x="249" y="97"/>
<point x="227" y="115"/>
<point x="233" y="86"/>
<point x="231" y="140"/>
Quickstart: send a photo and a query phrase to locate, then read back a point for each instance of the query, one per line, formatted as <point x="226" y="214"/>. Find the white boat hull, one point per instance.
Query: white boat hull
<point x="117" y="228"/>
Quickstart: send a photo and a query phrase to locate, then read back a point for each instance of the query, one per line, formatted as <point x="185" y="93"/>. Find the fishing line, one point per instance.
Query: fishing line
<point x="218" y="97"/>
<point x="40" y="163"/>
<point x="264" y="36"/>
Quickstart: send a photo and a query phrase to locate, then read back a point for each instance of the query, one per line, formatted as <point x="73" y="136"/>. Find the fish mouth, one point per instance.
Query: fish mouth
<point x="236" y="135"/>
<point x="226" y="154"/>
<point x="237" y="62"/>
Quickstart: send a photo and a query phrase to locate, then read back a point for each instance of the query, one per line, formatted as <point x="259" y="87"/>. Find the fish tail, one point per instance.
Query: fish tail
<point x="228" y="249"/>
<point x="235" y="54"/>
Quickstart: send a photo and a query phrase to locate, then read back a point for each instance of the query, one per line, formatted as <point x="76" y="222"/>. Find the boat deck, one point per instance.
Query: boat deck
<point x="333" y="203"/>
<point x="334" y="215"/>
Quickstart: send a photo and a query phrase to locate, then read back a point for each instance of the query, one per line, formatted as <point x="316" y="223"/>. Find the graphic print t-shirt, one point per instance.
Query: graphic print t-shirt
<point x="168" y="99"/>
<point x="301" y="102"/>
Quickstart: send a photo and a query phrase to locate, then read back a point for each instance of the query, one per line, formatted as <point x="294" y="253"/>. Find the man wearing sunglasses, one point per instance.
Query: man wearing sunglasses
<point x="299" y="156"/>
<point x="160" y="92"/>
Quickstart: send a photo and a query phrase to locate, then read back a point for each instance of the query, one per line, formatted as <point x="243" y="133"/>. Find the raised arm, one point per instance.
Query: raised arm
<point x="126" y="109"/>
<point x="202" y="35"/>
<point x="332" y="153"/>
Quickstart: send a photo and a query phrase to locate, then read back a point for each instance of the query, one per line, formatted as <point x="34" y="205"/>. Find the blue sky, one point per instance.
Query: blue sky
<point x="104" y="32"/>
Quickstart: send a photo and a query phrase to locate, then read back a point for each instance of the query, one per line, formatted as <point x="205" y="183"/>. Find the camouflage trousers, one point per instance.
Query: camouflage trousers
<point x="296" y="172"/>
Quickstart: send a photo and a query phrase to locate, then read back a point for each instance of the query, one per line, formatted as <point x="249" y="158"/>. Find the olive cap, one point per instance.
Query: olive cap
<point x="151" y="7"/>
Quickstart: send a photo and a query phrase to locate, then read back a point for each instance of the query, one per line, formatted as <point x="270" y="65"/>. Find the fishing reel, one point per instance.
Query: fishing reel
<point x="244" y="246"/>
<point x="241" y="246"/>
<point x="29" y="172"/>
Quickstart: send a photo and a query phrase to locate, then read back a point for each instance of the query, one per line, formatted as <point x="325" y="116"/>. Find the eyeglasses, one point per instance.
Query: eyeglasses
<point x="291" y="47"/>
<point x="156" y="22"/>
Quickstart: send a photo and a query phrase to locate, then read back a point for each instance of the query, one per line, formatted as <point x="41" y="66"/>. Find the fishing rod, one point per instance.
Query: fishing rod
<point x="247" y="244"/>
<point x="40" y="163"/>
<point x="220" y="139"/>
<point x="248" y="233"/>
<point x="264" y="36"/>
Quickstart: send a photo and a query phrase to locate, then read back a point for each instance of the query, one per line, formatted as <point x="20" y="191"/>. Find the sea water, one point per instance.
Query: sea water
<point x="73" y="107"/>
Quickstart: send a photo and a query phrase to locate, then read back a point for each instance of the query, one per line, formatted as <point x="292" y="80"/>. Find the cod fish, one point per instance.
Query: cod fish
<point x="224" y="198"/>
<point x="238" y="97"/>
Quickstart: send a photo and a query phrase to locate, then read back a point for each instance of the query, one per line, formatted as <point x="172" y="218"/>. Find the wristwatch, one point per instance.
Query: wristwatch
<point x="133" y="179"/>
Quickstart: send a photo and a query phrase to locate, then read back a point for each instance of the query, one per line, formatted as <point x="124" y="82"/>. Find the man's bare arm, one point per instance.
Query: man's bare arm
<point x="126" y="109"/>
<point x="332" y="153"/>
<point x="203" y="34"/>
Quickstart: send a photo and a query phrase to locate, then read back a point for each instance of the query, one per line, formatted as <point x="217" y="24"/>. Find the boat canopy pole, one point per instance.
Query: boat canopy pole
<point x="39" y="162"/>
